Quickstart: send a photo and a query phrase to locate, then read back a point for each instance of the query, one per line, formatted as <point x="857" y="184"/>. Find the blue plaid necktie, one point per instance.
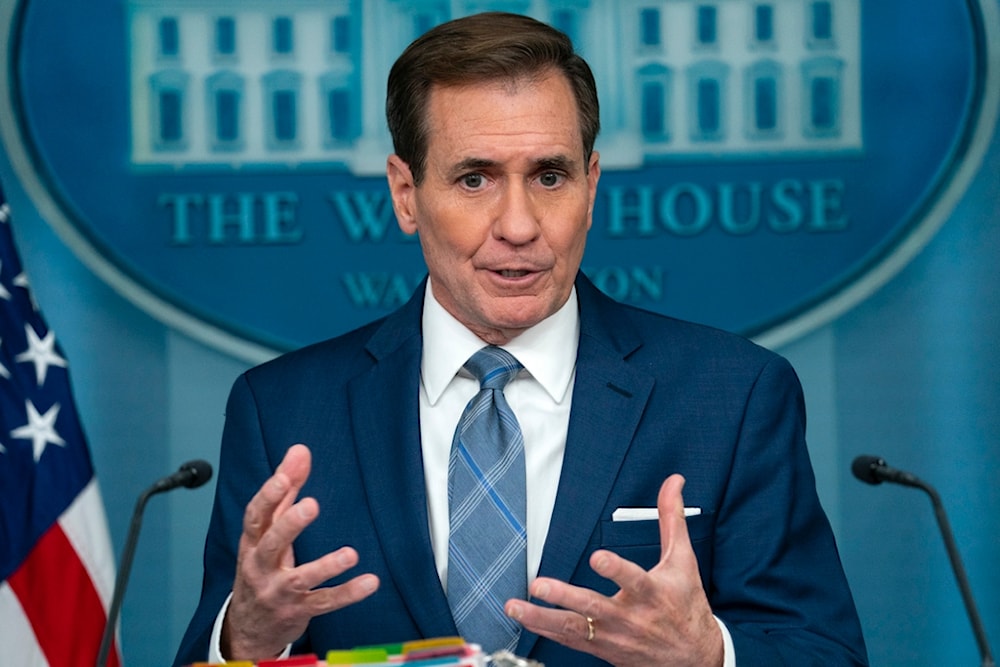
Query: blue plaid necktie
<point x="486" y="551"/>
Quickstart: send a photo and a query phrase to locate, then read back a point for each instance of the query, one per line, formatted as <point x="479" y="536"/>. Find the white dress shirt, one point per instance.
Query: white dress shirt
<point x="539" y="396"/>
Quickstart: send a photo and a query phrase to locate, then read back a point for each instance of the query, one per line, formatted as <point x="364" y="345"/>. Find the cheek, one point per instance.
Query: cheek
<point x="450" y="233"/>
<point x="570" y="238"/>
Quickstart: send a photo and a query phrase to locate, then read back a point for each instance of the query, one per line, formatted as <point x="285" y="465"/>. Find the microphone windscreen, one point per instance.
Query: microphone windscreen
<point x="199" y="471"/>
<point x="864" y="468"/>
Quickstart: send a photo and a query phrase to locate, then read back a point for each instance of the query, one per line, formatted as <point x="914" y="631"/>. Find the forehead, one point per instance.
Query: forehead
<point x="538" y="111"/>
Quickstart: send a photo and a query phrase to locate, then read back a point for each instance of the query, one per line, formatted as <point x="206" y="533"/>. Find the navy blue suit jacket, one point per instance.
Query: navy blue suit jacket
<point x="653" y="396"/>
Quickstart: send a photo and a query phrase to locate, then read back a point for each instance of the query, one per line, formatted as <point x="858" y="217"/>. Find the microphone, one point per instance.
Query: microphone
<point x="192" y="475"/>
<point x="874" y="470"/>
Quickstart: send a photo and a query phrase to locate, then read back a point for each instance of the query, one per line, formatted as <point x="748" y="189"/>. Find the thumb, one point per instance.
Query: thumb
<point x="673" y="526"/>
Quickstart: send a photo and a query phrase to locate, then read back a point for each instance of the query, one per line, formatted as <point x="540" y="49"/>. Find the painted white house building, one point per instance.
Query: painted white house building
<point x="260" y="83"/>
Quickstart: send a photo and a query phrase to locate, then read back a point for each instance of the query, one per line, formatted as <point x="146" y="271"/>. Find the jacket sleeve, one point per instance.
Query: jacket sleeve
<point x="776" y="576"/>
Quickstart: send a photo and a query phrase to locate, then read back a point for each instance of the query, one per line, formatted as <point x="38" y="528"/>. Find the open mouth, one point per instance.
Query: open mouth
<point x="512" y="273"/>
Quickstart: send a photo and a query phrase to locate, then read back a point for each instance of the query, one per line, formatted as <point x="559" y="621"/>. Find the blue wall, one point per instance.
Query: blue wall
<point x="912" y="373"/>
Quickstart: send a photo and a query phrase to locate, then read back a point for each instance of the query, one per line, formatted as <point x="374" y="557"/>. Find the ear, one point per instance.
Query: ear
<point x="402" y="189"/>
<point x="593" y="176"/>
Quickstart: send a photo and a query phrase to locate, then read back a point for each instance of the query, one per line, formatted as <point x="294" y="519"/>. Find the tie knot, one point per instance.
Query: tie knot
<point x="493" y="366"/>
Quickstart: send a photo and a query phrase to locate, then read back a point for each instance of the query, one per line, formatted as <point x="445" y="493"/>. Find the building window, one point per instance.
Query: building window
<point x="281" y="91"/>
<point x="819" y="26"/>
<point x="709" y="106"/>
<point x="171" y="116"/>
<point x="822" y="102"/>
<point x="707" y="28"/>
<point x="822" y="21"/>
<point x="283" y="36"/>
<point x="821" y="91"/>
<point x="283" y="111"/>
<point x="654" y="85"/>
<point x="650" y="35"/>
<point x="225" y="97"/>
<point x="340" y="35"/>
<point x="340" y="111"/>
<point x="707" y="92"/>
<point x="765" y="104"/>
<point x="225" y="36"/>
<point x="169" y="37"/>
<point x="227" y="116"/>
<point x="654" y="110"/>
<point x="763" y="24"/>
<point x="339" y="114"/>
<point x="762" y="105"/>
<point x="168" y="93"/>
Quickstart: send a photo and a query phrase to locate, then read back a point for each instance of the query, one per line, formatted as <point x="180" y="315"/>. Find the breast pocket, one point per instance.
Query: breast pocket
<point x="639" y="541"/>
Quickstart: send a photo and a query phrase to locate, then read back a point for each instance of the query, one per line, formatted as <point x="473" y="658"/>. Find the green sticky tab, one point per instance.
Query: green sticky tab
<point x="358" y="656"/>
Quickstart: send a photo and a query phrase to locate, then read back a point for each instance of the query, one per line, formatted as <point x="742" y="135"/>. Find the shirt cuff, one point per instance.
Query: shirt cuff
<point x="215" y="643"/>
<point x="728" y="650"/>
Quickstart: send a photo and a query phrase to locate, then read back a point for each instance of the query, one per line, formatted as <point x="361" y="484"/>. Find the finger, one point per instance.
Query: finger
<point x="295" y="466"/>
<point x="566" y="627"/>
<point x="327" y="599"/>
<point x="303" y="578"/>
<point x="673" y="525"/>
<point x="276" y="542"/>
<point x="629" y="576"/>
<point x="581" y="601"/>
<point x="277" y="493"/>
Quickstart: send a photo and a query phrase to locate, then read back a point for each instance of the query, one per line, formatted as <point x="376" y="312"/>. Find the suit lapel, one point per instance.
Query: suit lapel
<point x="385" y="409"/>
<point x="609" y="397"/>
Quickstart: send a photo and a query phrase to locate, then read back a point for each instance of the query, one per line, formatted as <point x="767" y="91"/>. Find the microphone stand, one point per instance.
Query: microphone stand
<point x="959" y="569"/>
<point x="192" y="475"/>
<point x="121" y="579"/>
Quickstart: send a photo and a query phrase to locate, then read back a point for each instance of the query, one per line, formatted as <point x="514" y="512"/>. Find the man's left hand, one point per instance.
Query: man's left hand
<point x="657" y="617"/>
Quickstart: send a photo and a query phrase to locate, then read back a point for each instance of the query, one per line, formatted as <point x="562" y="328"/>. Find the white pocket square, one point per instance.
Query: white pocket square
<point x="646" y="513"/>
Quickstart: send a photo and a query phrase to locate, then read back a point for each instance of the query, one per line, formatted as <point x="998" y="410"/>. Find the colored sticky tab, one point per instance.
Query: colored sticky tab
<point x="358" y="656"/>
<point x="307" y="660"/>
<point x="432" y="643"/>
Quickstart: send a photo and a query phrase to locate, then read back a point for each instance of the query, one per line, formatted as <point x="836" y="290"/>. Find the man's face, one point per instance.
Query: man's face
<point x="505" y="203"/>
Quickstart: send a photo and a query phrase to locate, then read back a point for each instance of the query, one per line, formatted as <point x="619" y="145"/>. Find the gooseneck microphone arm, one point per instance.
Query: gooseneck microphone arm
<point x="192" y="475"/>
<point x="874" y="470"/>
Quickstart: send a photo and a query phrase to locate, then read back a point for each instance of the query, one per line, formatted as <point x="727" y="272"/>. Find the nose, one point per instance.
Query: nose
<point x="517" y="220"/>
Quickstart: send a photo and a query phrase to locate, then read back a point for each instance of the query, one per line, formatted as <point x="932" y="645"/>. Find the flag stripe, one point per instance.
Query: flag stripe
<point x="86" y="528"/>
<point x="16" y="635"/>
<point x="60" y="601"/>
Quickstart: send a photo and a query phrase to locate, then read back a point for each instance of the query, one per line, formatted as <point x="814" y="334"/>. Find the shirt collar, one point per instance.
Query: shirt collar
<point x="547" y="350"/>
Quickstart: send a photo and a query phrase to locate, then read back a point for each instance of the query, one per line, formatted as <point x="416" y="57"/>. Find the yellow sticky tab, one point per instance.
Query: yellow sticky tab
<point x="434" y="642"/>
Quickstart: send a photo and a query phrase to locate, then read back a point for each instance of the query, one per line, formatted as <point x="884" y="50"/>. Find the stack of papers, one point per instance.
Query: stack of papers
<point x="442" y="651"/>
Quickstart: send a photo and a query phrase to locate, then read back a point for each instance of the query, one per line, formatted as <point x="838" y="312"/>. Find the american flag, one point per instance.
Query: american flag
<point x="56" y="563"/>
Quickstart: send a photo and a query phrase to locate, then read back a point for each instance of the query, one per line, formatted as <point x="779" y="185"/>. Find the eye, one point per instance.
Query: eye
<point x="472" y="181"/>
<point x="550" y="179"/>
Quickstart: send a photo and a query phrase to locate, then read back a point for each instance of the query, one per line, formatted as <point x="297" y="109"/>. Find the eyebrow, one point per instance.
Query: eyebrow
<point x="559" y="162"/>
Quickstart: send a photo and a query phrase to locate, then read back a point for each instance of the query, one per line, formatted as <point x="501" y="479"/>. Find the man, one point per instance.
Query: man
<point x="346" y="541"/>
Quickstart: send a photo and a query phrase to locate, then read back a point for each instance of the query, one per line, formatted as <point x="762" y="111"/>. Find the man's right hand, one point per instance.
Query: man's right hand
<point x="273" y="599"/>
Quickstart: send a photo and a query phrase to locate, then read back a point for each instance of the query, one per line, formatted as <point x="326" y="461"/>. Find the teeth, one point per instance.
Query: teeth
<point x="508" y="273"/>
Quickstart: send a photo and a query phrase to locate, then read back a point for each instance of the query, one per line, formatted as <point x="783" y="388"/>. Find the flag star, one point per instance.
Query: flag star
<point x="4" y="294"/>
<point x="40" y="429"/>
<point x="41" y="352"/>
<point x="3" y="369"/>
<point x="4" y="212"/>
<point x="21" y="280"/>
